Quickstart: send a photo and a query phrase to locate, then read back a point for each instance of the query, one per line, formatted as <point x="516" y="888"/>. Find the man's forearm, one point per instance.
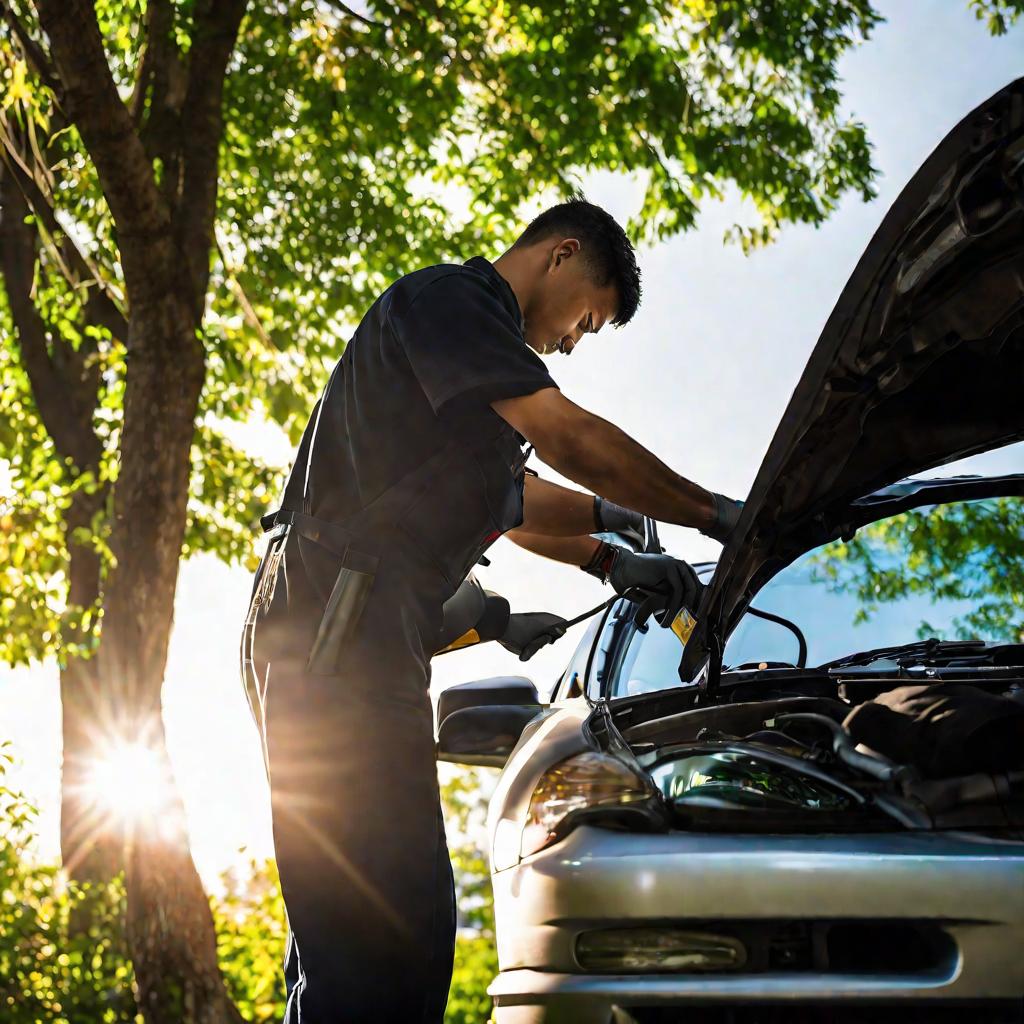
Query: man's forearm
<point x="608" y="461"/>
<point x="556" y="511"/>
<point x="570" y="550"/>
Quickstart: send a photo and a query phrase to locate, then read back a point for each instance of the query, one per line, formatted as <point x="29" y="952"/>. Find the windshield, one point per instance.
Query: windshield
<point x="954" y="571"/>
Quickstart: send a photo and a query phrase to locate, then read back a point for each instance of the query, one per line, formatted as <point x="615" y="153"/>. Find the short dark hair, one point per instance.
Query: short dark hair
<point x="607" y="253"/>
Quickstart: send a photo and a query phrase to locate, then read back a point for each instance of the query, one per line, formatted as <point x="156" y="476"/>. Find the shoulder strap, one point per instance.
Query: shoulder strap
<point x="296" y="490"/>
<point x="294" y="497"/>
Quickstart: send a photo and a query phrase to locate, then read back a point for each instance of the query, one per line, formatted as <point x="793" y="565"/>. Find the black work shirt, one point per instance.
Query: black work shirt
<point x="422" y="368"/>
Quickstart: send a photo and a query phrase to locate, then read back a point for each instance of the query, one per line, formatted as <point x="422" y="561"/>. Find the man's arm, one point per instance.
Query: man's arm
<point x="578" y="550"/>
<point x="473" y="615"/>
<point x="555" y="511"/>
<point x="600" y="456"/>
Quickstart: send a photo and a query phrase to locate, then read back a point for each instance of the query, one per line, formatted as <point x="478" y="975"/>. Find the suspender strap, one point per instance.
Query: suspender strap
<point x="295" y="489"/>
<point x="336" y="539"/>
<point x="388" y="505"/>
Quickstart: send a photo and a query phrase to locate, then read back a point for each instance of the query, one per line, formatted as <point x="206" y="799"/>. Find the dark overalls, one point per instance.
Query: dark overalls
<point x="405" y="475"/>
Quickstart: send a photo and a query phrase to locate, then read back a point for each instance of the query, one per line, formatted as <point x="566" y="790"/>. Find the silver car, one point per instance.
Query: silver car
<point x="808" y="805"/>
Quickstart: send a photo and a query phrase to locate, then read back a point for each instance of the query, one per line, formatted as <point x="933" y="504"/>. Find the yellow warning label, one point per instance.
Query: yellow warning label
<point x="682" y="626"/>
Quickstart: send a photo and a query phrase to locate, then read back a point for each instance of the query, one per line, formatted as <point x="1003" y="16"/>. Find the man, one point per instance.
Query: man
<point x="410" y="467"/>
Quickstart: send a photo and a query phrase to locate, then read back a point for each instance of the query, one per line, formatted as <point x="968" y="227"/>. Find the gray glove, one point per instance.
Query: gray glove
<point x="727" y="515"/>
<point x="668" y="578"/>
<point x="612" y="518"/>
<point x="528" y="632"/>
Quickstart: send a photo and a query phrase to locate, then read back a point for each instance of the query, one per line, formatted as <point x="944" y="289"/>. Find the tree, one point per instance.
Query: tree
<point x="196" y="202"/>
<point x="52" y="971"/>
<point x="959" y="551"/>
<point x="464" y="796"/>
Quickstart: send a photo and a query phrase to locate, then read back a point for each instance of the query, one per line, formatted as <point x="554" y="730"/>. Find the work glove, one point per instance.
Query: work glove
<point x="612" y="518"/>
<point x="671" y="581"/>
<point x="727" y="515"/>
<point x="528" y="632"/>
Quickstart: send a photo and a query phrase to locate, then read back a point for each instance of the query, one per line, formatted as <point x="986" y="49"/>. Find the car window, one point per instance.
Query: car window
<point x="651" y="659"/>
<point x="952" y="571"/>
<point x="577" y="668"/>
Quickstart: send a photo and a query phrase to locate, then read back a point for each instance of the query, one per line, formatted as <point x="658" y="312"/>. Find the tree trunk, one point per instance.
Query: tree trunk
<point x="164" y="236"/>
<point x="64" y="382"/>
<point x="90" y="849"/>
<point x="170" y="927"/>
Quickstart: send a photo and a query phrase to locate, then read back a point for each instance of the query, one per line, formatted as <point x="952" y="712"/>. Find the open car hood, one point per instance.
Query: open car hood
<point x="920" y="363"/>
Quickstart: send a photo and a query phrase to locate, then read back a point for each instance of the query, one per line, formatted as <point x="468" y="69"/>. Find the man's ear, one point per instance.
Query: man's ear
<point x="565" y="249"/>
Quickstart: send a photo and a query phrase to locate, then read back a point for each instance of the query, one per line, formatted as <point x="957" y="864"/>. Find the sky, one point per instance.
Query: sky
<point x="701" y="376"/>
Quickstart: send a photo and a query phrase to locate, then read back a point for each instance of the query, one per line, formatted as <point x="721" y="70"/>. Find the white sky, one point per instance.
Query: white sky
<point x="701" y="376"/>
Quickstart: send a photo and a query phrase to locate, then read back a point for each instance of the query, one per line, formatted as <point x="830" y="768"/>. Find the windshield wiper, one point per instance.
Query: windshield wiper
<point x="930" y="650"/>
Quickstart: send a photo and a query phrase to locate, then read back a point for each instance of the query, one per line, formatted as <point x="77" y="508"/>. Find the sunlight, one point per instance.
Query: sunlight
<point x="129" y="782"/>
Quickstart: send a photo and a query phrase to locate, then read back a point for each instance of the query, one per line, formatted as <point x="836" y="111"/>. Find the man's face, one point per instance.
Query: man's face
<point x="565" y="303"/>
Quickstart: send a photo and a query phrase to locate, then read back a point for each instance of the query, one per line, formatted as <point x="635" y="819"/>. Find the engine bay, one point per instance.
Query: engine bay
<point x="844" y="749"/>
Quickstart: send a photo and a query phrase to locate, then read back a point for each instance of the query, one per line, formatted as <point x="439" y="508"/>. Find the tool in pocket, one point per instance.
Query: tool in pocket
<point x="342" y="612"/>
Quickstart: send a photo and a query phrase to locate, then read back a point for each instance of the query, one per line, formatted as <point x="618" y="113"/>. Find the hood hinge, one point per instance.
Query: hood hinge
<point x="713" y="675"/>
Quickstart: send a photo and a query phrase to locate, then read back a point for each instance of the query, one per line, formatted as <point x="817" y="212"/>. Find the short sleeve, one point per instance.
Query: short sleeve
<point x="464" y="345"/>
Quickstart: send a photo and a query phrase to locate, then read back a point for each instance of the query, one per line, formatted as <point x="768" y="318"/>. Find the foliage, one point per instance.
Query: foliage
<point x="463" y="796"/>
<point x="998" y="15"/>
<point x="63" y="952"/>
<point x="62" y="946"/>
<point x="963" y="550"/>
<point x="476" y="964"/>
<point x="476" y="961"/>
<point x="251" y="934"/>
<point x="356" y="149"/>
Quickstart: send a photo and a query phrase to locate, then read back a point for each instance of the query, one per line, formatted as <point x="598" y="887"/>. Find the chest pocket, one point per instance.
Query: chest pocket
<point x="474" y="497"/>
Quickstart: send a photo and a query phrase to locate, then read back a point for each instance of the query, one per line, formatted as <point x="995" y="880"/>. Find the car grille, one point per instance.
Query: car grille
<point x="838" y="947"/>
<point x="1001" y="1013"/>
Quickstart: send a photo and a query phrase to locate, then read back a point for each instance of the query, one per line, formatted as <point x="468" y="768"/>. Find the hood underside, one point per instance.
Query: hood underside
<point x="920" y="363"/>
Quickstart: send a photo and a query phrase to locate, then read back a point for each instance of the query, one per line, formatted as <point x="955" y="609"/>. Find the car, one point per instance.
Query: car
<point x="808" y="805"/>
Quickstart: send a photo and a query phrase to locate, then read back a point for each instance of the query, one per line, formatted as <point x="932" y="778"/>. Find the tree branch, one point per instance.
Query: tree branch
<point x="137" y="100"/>
<point x="35" y="55"/>
<point x="214" y="36"/>
<point x="160" y="59"/>
<point x="103" y="308"/>
<point x="359" y="17"/>
<point x="161" y="128"/>
<point x="65" y="412"/>
<point x="139" y="211"/>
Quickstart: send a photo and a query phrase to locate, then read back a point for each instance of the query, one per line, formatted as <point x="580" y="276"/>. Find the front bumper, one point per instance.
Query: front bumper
<point x="968" y="889"/>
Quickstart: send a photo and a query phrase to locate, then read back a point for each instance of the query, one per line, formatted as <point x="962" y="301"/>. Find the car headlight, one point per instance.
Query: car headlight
<point x="583" y="782"/>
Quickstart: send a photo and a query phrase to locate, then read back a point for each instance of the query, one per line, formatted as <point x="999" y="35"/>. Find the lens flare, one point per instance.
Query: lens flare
<point x="129" y="782"/>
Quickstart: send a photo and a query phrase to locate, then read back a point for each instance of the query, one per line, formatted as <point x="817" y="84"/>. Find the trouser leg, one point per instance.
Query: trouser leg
<point x="291" y="976"/>
<point x="361" y="850"/>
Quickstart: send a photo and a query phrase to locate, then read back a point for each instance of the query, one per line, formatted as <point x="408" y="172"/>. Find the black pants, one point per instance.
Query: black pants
<point x="358" y="832"/>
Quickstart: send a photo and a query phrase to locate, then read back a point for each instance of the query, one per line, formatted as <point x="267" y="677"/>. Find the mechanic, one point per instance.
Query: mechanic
<point x="411" y="465"/>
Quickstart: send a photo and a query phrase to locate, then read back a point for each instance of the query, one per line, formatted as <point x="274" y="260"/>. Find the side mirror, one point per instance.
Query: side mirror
<point x="480" y="722"/>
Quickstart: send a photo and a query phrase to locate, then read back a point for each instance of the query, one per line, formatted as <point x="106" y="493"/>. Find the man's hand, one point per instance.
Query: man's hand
<point x="672" y="580"/>
<point x="528" y="632"/>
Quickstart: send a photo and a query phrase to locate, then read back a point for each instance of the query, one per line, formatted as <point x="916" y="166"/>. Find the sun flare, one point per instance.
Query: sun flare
<point x="129" y="782"/>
